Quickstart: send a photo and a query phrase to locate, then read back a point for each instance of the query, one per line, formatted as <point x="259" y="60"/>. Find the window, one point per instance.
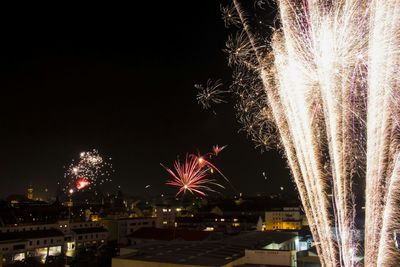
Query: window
<point x="30" y="243"/>
<point x="37" y="242"/>
<point x="80" y="237"/>
<point x="51" y="241"/>
<point x="45" y="241"/>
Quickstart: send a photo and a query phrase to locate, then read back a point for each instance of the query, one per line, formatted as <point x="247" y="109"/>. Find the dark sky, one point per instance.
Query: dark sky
<point x="118" y="79"/>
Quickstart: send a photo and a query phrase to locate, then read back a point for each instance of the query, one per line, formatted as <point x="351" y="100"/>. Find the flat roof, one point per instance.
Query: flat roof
<point x="91" y="230"/>
<point x="206" y="253"/>
<point x="134" y="218"/>
<point x="20" y="235"/>
<point x="169" y="234"/>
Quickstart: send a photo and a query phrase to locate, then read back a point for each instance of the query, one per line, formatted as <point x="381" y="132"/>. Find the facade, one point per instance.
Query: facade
<point x="17" y="245"/>
<point x="165" y="216"/>
<point x="21" y="241"/>
<point x="287" y="218"/>
<point x="213" y="222"/>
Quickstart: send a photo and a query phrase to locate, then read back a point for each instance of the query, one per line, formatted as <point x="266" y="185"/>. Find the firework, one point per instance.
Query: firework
<point x="217" y="149"/>
<point x="326" y="90"/>
<point x="82" y="183"/>
<point x="191" y="175"/>
<point x="210" y="93"/>
<point x="90" y="171"/>
<point x="229" y="15"/>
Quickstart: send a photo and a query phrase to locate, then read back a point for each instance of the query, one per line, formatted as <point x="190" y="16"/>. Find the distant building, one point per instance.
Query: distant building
<point x="165" y="216"/>
<point x="214" y="222"/>
<point x="287" y="218"/>
<point x="120" y="228"/>
<point x="29" y="192"/>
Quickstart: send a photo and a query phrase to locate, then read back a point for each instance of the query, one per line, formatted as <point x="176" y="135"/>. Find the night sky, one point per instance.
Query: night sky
<point x="119" y="79"/>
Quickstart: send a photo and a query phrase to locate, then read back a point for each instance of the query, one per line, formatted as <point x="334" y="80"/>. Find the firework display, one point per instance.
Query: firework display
<point x="325" y="91"/>
<point x="217" y="149"/>
<point x="90" y="171"/>
<point x="210" y="93"/>
<point x="192" y="174"/>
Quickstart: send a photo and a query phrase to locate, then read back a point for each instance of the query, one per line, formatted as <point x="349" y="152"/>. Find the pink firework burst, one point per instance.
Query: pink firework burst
<point x="191" y="175"/>
<point x="217" y="149"/>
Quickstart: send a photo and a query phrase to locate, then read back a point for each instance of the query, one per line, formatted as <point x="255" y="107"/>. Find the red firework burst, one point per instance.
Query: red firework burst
<point x="191" y="175"/>
<point x="82" y="183"/>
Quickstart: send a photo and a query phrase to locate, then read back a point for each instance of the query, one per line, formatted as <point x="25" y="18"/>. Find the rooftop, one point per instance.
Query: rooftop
<point x="207" y="253"/>
<point x="92" y="230"/>
<point x="30" y="234"/>
<point x="170" y="234"/>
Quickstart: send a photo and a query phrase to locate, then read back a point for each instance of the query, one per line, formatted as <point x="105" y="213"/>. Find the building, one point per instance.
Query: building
<point x="165" y="216"/>
<point x="18" y="245"/>
<point x="40" y="240"/>
<point x="262" y="248"/>
<point x="120" y="228"/>
<point x="287" y="218"/>
<point x="29" y="192"/>
<point x="213" y="222"/>
<point x="86" y="234"/>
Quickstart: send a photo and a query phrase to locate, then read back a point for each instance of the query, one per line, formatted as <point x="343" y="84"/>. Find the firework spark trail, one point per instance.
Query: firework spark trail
<point x="383" y="143"/>
<point x="330" y="80"/>
<point x="306" y="67"/>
